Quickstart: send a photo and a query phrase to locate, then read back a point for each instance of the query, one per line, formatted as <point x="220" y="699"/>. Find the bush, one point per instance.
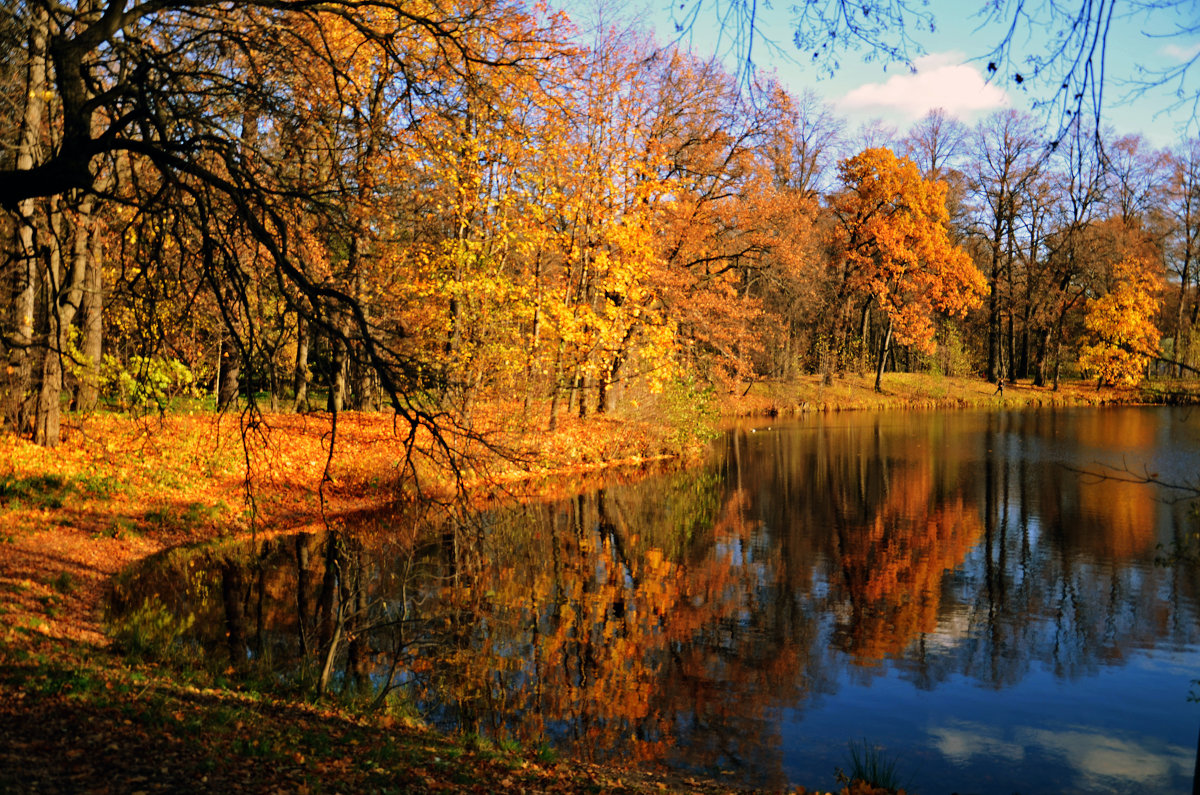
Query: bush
<point x="951" y="357"/>
<point x="150" y="631"/>
<point x="690" y="409"/>
<point x="147" y="384"/>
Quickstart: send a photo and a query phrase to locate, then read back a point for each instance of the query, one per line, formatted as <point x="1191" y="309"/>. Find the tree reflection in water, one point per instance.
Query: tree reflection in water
<point x="673" y="621"/>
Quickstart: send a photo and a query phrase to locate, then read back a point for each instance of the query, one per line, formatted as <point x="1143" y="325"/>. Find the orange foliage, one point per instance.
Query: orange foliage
<point x="893" y="233"/>
<point x="893" y="567"/>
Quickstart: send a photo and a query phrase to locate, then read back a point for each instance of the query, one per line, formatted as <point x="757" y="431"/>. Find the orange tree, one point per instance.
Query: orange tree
<point x="892" y="238"/>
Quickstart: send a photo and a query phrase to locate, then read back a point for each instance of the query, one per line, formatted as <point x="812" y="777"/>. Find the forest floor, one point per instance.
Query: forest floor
<point x="77" y="716"/>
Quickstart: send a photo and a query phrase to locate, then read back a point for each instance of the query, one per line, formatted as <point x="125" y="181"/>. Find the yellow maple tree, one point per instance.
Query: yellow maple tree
<point x="1121" y="335"/>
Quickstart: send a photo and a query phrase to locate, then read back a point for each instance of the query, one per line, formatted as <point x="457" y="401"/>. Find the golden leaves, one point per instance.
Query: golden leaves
<point x="896" y="246"/>
<point x="1121" y="334"/>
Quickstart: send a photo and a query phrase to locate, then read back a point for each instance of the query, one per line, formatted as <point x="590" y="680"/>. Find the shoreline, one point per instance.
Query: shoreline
<point x="120" y="491"/>
<point x="906" y="391"/>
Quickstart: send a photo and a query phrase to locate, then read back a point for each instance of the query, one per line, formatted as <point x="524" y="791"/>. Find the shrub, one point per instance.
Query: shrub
<point x="150" y="631"/>
<point x="147" y="384"/>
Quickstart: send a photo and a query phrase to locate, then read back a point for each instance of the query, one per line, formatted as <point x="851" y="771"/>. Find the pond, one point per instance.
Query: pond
<point x="990" y="600"/>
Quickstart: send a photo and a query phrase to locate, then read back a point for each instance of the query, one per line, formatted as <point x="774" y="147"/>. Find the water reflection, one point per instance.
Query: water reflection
<point x="691" y="619"/>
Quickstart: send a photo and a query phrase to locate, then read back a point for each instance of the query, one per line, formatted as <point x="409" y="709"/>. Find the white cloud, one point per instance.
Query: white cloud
<point x="1097" y="757"/>
<point x="942" y="80"/>
<point x="961" y="740"/>
<point x="1181" y="54"/>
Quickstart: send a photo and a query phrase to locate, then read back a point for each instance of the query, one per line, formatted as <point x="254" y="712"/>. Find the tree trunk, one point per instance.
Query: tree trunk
<point x="228" y="374"/>
<point x="602" y="395"/>
<point x="18" y="408"/>
<point x="64" y="295"/>
<point x="1041" y="357"/>
<point x="884" y="346"/>
<point x="300" y="376"/>
<point x="337" y="378"/>
<point x="1181" y="347"/>
<point x="364" y="393"/>
<point x="556" y="389"/>
<point x="87" y="397"/>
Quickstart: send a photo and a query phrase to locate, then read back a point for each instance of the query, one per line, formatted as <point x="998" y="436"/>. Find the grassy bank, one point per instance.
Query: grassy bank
<point x="852" y="392"/>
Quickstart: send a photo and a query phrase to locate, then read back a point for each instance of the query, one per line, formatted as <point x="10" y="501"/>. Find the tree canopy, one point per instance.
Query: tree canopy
<point x="432" y="208"/>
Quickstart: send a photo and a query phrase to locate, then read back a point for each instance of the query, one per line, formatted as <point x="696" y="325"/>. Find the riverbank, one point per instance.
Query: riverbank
<point x="852" y="392"/>
<point x="75" y="715"/>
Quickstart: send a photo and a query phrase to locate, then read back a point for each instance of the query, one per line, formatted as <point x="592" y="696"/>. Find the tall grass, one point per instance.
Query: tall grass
<point x="872" y="765"/>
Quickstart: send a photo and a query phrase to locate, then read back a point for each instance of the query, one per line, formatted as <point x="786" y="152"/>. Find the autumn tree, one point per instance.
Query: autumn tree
<point x="1122" y="336"/>
<point x="895" y="248"/>
<point x="202" y="100"/>
<point x="1073" y="192"/>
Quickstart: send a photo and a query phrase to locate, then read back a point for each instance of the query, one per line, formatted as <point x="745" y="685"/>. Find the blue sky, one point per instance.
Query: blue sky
<point x="951" y="73"/>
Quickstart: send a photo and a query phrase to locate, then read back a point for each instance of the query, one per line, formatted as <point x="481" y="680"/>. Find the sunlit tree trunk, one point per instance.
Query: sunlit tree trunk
<point x="17" y="392"/>
<point x="92" y="328"/>
<point x="64" y="291"/>
<point x="362" y="386"/>
<point x="885" y="344"/>
<point x="337" y="376"/>
<point x="300" y="374"/>
<point x="555" y="390"/>
<point x="229" y="373"/>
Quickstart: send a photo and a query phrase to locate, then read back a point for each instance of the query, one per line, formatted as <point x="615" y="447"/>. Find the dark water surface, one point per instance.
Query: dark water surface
<point x="983" y="596"/>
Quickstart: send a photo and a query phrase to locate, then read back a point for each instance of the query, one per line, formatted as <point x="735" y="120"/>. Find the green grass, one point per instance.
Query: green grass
<point x="35" y="491"/>
<point x="121" y="528"/>
<point x="51" y="491"/>
<point x="100" y="486"/>
<point x="64" y="582"/>
<point x="188" y="517"/>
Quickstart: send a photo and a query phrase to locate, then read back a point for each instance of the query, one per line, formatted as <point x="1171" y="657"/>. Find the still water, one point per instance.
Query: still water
<point x="990" y="599"/>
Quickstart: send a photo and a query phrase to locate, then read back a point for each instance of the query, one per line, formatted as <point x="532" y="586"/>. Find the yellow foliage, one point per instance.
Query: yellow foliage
<point x="1121" y="335"/>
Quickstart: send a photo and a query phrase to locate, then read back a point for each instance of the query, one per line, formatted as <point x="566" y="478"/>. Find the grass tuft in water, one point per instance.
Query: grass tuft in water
<point x="871" y="765"/>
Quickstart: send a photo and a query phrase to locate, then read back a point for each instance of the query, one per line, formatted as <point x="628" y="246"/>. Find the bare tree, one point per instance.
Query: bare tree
<point x="1183" y="245"/>
<point x="1057" y="51"/>
<point x="936" y="143"/>
<point x="1007" y="158"/>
